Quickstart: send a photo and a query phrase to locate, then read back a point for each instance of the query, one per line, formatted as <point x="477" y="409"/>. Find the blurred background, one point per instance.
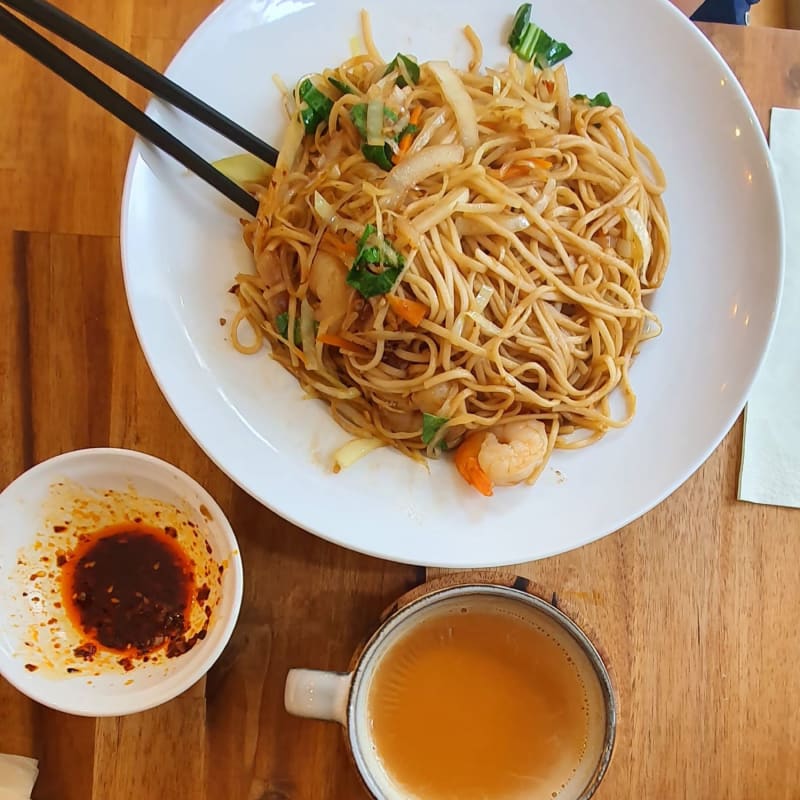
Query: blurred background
<point x="776" y="13"/>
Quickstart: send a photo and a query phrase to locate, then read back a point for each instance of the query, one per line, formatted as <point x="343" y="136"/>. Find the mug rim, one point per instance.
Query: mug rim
<point x="398" y="617"/>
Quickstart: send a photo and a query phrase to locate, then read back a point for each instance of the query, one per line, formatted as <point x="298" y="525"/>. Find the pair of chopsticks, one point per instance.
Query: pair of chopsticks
<point x="95" y="45"/>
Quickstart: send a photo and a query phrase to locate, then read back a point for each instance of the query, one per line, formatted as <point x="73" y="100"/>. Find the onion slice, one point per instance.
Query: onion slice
<point x="416" y="168"/>
<point x="325" y="210"/>
<point x="487" y="325"/>
<point x="290" y="146"/>
<point x="244" y="168"/>
<point x="375" y="123"/>
<point x="639" y="237"/>
<point x="307" y="334"/>
<point x="348" y="454"/>
<point x="459" y="100"/>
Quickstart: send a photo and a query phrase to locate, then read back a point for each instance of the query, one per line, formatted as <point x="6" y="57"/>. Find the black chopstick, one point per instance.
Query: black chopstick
<point x="33" y="43"/>
<point x="96" y="45"/>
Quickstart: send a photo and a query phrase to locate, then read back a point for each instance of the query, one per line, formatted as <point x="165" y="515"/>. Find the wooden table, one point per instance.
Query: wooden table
<point x="694" y="604"/>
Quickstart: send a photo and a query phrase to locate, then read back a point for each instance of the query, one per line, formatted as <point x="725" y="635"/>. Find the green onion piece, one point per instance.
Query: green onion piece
<point x="430" y="426"/>
<point x="370" y="284"/>
<point x="521" y="21"/>
<point x="407" y="70"/>
<point x="341" y="86"/>
<point x="380" y="154"/>
<point x="412" y="129"/>
<point x="531" y="43"/>
<point x="554" y="54"/>
<point x="358" y="114"/>
<point x="315" y="108"/>
<point x="282" y="326"/>
<point x="376" y="252"/>
<point x="601" y="99"/>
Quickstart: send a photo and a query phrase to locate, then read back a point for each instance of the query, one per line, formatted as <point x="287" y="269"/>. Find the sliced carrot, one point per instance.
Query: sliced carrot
<point x="343" y="344"/>
<point x="409" y="310"/>
<point x="468" y="465"/>
<point x="516" y="171"/>
<point x="346" y="248"/>
<point x="523" y="170"/>
<point x="403" y="148"/>
<point x="405" y="141"/>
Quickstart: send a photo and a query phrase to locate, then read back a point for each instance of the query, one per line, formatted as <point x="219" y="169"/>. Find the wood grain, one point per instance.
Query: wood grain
<point x="693" y="605"/>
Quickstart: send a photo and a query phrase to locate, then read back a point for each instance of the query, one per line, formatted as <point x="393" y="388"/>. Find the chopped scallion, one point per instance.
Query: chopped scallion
<point x="380" y="154"/>
<point x="341" y="86"/>
<point x="601" y="99"/>
<point x="431" y="425"/>
<point x="531" y="43"/>
<point x="374" y="251"/>
<point x="407" y="70"/>
<point x="282" y="326"/>
<point x="315" y="107"/>
<point x="358" y="114"/>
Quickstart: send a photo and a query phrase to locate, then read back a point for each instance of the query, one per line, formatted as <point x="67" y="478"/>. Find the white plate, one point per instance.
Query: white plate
<point x="182" y="246"/>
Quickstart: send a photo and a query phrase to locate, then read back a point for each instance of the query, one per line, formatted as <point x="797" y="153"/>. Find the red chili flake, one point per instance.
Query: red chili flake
<point x="202" y="593"/>
<point x="208" y="548"/>
<point x="57" y="604"/>
<point x="207" y="611"/>
<point x="61" y="559"/>
<point x="59" y="528"/>
<point x="72" y="670"/>
<point x="52" y="621"/>
<point x="171" y="532"/>
<point x="126" y="663"/>
<point x="138" y="595"/>
<point x="85" y="651"/>
<point x="31" y="667"/>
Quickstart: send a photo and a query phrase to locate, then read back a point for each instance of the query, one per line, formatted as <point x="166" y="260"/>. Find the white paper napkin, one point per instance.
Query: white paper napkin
<point x="771" y="453"/>
<point x="17" y="776"/>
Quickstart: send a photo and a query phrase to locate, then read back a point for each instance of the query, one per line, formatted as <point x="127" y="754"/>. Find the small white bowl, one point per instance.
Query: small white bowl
<point x="27" y="509"/>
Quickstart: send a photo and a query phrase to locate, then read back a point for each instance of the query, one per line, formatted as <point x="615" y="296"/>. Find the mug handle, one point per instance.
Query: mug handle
<point x="317" y="694"/>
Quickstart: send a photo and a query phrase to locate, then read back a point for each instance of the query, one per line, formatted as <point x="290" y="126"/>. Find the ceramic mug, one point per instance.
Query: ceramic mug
<point x="342" y="697"/>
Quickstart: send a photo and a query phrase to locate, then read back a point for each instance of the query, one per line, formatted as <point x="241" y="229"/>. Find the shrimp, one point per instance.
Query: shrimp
<point x="327" y="281"/>
<point x="431" y="400"/>
<point x="511" y="453"/>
